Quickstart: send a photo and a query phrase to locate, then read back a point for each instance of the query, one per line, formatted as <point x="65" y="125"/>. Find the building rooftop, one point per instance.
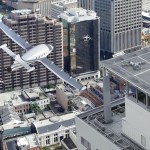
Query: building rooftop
<point x="15" y="129"/>
<point x="146" y="15"/>
<point x="78" y="14"/>
<point x="82" y="103"/>
<point x="133" y="67"/>
<point x="10" y="116"/>
<point x="112" y="130"/>
<point x="146" y="31"/>
<point x="35" y="93"/>
<point x="22" y="12"/>
<point x="69" y="143"/>
<point x="68" y="92"/>
<point x="54" y="119"/>
<point x="20" y="97"/>
<point x="30" y="140"/>
<point x="63" y="3"/>
<point x="56" y="126"/>
<point x="54" y="123"/>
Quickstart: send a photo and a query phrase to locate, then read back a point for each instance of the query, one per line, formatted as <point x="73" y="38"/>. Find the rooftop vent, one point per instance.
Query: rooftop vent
<point x="134" y="65"/>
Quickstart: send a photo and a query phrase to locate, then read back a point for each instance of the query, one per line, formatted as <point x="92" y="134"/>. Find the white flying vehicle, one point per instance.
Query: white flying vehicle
<point x="34" y="54"/>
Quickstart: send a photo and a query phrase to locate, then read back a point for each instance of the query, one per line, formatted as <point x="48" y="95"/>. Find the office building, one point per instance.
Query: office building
<point x="81" y="40"/>
<point x="120" y="27"/>
<point x="120" y="127"/>
<point x="59" y="7"/>
<point x="36" y="30"/>
<point x="86" y="4"/>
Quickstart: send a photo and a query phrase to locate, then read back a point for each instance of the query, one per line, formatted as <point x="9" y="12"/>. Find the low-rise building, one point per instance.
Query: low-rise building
<point x="10" y="117"/>
<point x="82" y="103"/>
<point x="63" y="95"/>
<point x="146" y="19"/>
<point x="88" y="76"/>
<point x="36" y="95"/>
<point x="28" y="142"/>
<point x="145" y="37"/>
<point x="53" y="130"/>
<point x="14" y="130"/>
<point x="20" y="101"/>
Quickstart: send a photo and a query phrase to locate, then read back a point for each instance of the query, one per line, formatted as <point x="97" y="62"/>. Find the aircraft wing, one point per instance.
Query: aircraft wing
<point x="15" y="37"/>
<point x="61" y="74"/>
<point x="8" y="51"/>
<point x="17" y="58"/>
<point x="23" y="63"/>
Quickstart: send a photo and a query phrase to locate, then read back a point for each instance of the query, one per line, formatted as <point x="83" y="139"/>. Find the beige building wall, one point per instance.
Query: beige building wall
<point x="61" y="98"/>
<point x="23" y="108"/>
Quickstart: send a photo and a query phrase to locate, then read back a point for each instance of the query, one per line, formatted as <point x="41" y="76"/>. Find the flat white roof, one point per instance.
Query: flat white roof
<point x="78" y="14"/>
<point x="145" y="14"/>
<point x="30" y="140"/>
<point x="48" y="122"/>
<point x="12" y="98"/>
<point x="63" y="3"/>
<point x="62" y="87"/>
<point x="15" y="98"/>
<point x="22" y="141"/>
<point x="132" y="67"/>
<point x="22" y="11"/>
<point x="22" y="124"/>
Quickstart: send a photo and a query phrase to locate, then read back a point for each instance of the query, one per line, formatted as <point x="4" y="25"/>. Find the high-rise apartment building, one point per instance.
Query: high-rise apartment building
<point x="86" y="4"/>
<point x="36" y="30"/>
<point x="121" y="23"/>
<point x="81" y="40"/>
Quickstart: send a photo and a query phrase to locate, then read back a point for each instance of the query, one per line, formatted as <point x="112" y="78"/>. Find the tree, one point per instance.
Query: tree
<point x="49" y="86"/>
<point x="35" y="108"/>
<point x="69" y="105"/>
<point x="45" y="148"/>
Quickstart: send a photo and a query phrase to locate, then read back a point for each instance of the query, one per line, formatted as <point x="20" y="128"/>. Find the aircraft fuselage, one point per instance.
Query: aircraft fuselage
<point x="32" y="55"/>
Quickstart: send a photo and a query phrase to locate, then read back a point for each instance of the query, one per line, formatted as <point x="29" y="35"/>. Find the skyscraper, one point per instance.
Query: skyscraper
<point x="120" y="27"/>
<point x="81" y="40"/>
<point x="36" y="30"/>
